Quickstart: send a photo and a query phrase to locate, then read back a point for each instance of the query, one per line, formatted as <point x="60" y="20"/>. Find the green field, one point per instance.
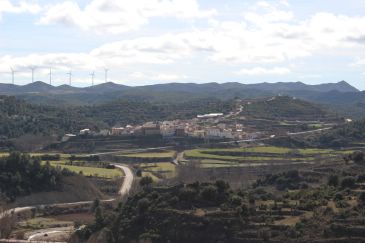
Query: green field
<point x="166" y="169"/>
<point x="208" y="153"/>
<point x="165" y="154"/>
<point x="258" y="156"/>
<point x="89" y="171"/>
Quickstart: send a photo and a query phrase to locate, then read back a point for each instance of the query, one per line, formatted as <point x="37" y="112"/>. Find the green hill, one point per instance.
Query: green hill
<point x="283" y="107"/>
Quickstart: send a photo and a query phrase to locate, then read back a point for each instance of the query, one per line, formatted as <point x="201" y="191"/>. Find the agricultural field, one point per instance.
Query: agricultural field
<point x="160" y="170"/>
<point x="92" y="171"/>
<point x="260" y="156"/>
<point x="89" y="170"/>
<point x="163" y="154"/>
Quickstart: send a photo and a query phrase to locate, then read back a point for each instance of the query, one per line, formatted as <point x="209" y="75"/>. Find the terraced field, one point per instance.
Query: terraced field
<point x="163" y="154"/>
<point x="89" y="170"/>
<point x="163" y="169"/>
<point x="259" y="156"/>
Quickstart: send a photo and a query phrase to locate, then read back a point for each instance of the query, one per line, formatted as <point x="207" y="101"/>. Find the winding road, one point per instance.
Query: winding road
<point x="123" y="191"/>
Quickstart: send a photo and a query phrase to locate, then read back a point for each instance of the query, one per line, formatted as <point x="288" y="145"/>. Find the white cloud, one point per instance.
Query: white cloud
<point x="62" y="61"/>
<point x="264" y="71"/>
<point x="358" y="62"/>
<point x="266" y="35"/>
<point x="22" y="7"/>
<point x="168" y="77"/>
<point x="110" y="16"/>
<point x="162" y="77"/>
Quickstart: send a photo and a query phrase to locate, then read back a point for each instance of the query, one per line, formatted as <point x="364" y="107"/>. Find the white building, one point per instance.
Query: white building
<point x="85" y="131"/>
<point x="211" y="115"/>
<point x="67" y="137"/>
<point x="219" y="133"/>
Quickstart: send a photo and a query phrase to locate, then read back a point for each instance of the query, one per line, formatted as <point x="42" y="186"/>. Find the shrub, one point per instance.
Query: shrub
<point x="333" y="180"/>
<point x="348" y="182"/>
<point x="236" y="200"/>
<point x="145" y="181"/>
<point x="209" y="193"/>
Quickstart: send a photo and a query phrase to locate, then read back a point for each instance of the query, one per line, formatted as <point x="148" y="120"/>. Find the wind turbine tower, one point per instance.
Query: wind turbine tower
<point x="33" y="69"/>
<point x="12" y="75"/>
<point x="106" y="74"/>
<point x="50" y="76"/>
<point x="69" y="77"/>
<point x="92" y="78"/>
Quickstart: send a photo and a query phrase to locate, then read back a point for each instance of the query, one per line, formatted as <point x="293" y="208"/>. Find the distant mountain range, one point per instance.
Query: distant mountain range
<point x="43" y="88"/>
<point x="341" y="96"/>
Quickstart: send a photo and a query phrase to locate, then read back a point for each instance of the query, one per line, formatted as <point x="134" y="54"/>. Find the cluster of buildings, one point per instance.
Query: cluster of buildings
<point x="208" y="126"/>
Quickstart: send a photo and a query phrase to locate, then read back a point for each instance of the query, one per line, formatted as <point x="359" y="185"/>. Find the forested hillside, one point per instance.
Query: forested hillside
<point x="133" y="112"/>
<point x="21" y="175"/>
<point x="19" y="118"/>
<point x="340" y="136"/>
<point x="284" y="107"/>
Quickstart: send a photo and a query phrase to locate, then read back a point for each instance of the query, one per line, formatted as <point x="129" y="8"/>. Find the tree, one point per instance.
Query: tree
<point x="143" y="205"/>
<point x="362" y="198"/>
<point x="99" y="218"/>
<point x="209" y="193"/>
<point x="348" y="182"/>
<point x="358" y="157"/>
<point x="333" y="180"/>
<point x="145" y="181"/>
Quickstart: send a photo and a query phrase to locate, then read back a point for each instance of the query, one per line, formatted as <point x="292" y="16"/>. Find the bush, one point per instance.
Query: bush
<point x="236" y="200"/>
<point x="333" y="180"/>
<point x="362" y="198"/>
<point x="348" y="182"/>
<point x="209" y="193"/>
<point x="143" y="205"/>
<point x="145" y="181"/>
<point x="358" y="157"/>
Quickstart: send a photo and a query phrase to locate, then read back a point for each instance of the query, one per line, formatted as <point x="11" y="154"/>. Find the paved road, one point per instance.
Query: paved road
<point x="124" y="190"/>
<point x="307" y="132"/>
<point x="46" y="234"/>
<point x="128" y="180"/>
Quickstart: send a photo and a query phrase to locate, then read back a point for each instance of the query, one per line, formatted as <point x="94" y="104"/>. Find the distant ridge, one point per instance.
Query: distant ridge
<point x="41" y="87"/>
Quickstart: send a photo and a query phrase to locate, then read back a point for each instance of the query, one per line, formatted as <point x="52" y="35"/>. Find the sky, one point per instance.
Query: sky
<point x="161" y="41"/>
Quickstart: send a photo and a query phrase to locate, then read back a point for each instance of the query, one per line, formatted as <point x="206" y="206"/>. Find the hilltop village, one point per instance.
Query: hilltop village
<point x="239" y="124"/>
<point x="212" y="126"/>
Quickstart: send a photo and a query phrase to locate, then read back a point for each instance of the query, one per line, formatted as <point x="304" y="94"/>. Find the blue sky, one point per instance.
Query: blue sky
<point x="159" y="41"/>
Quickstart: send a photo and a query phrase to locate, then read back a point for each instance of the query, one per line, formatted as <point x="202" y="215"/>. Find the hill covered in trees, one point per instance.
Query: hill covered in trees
<point x="284" y="107"/>
<point x="349" y="134"/>
<point x="316" y="208"/>
<point x="18" y="118"/>
<point x="22" y="175"/>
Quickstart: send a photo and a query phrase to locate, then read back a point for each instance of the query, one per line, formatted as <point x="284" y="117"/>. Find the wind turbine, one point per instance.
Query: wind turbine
<point x="92" y="78"/>
<point x="50" y="76"/>
<point x="12" y="75"/>
<point x="69" y="77"/>
<point x="106" y="74"/>
<point x="33" y="69"/>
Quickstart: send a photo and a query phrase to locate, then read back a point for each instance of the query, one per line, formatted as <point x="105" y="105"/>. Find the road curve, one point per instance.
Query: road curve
<point x="128" y="180"/>
<point x="124" y="190"/>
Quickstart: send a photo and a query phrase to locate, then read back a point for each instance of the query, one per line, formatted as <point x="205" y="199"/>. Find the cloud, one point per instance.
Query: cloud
<point x="110" y="16"/>
<point x="264" y="71"/>
<point x="60" y="61"/>
<point x="22" y="7"/>
<point x="168" y="77"/>
<point x="358" y="62"/>
<point x="161" y="77"/>
<point x="265" y="35"/>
